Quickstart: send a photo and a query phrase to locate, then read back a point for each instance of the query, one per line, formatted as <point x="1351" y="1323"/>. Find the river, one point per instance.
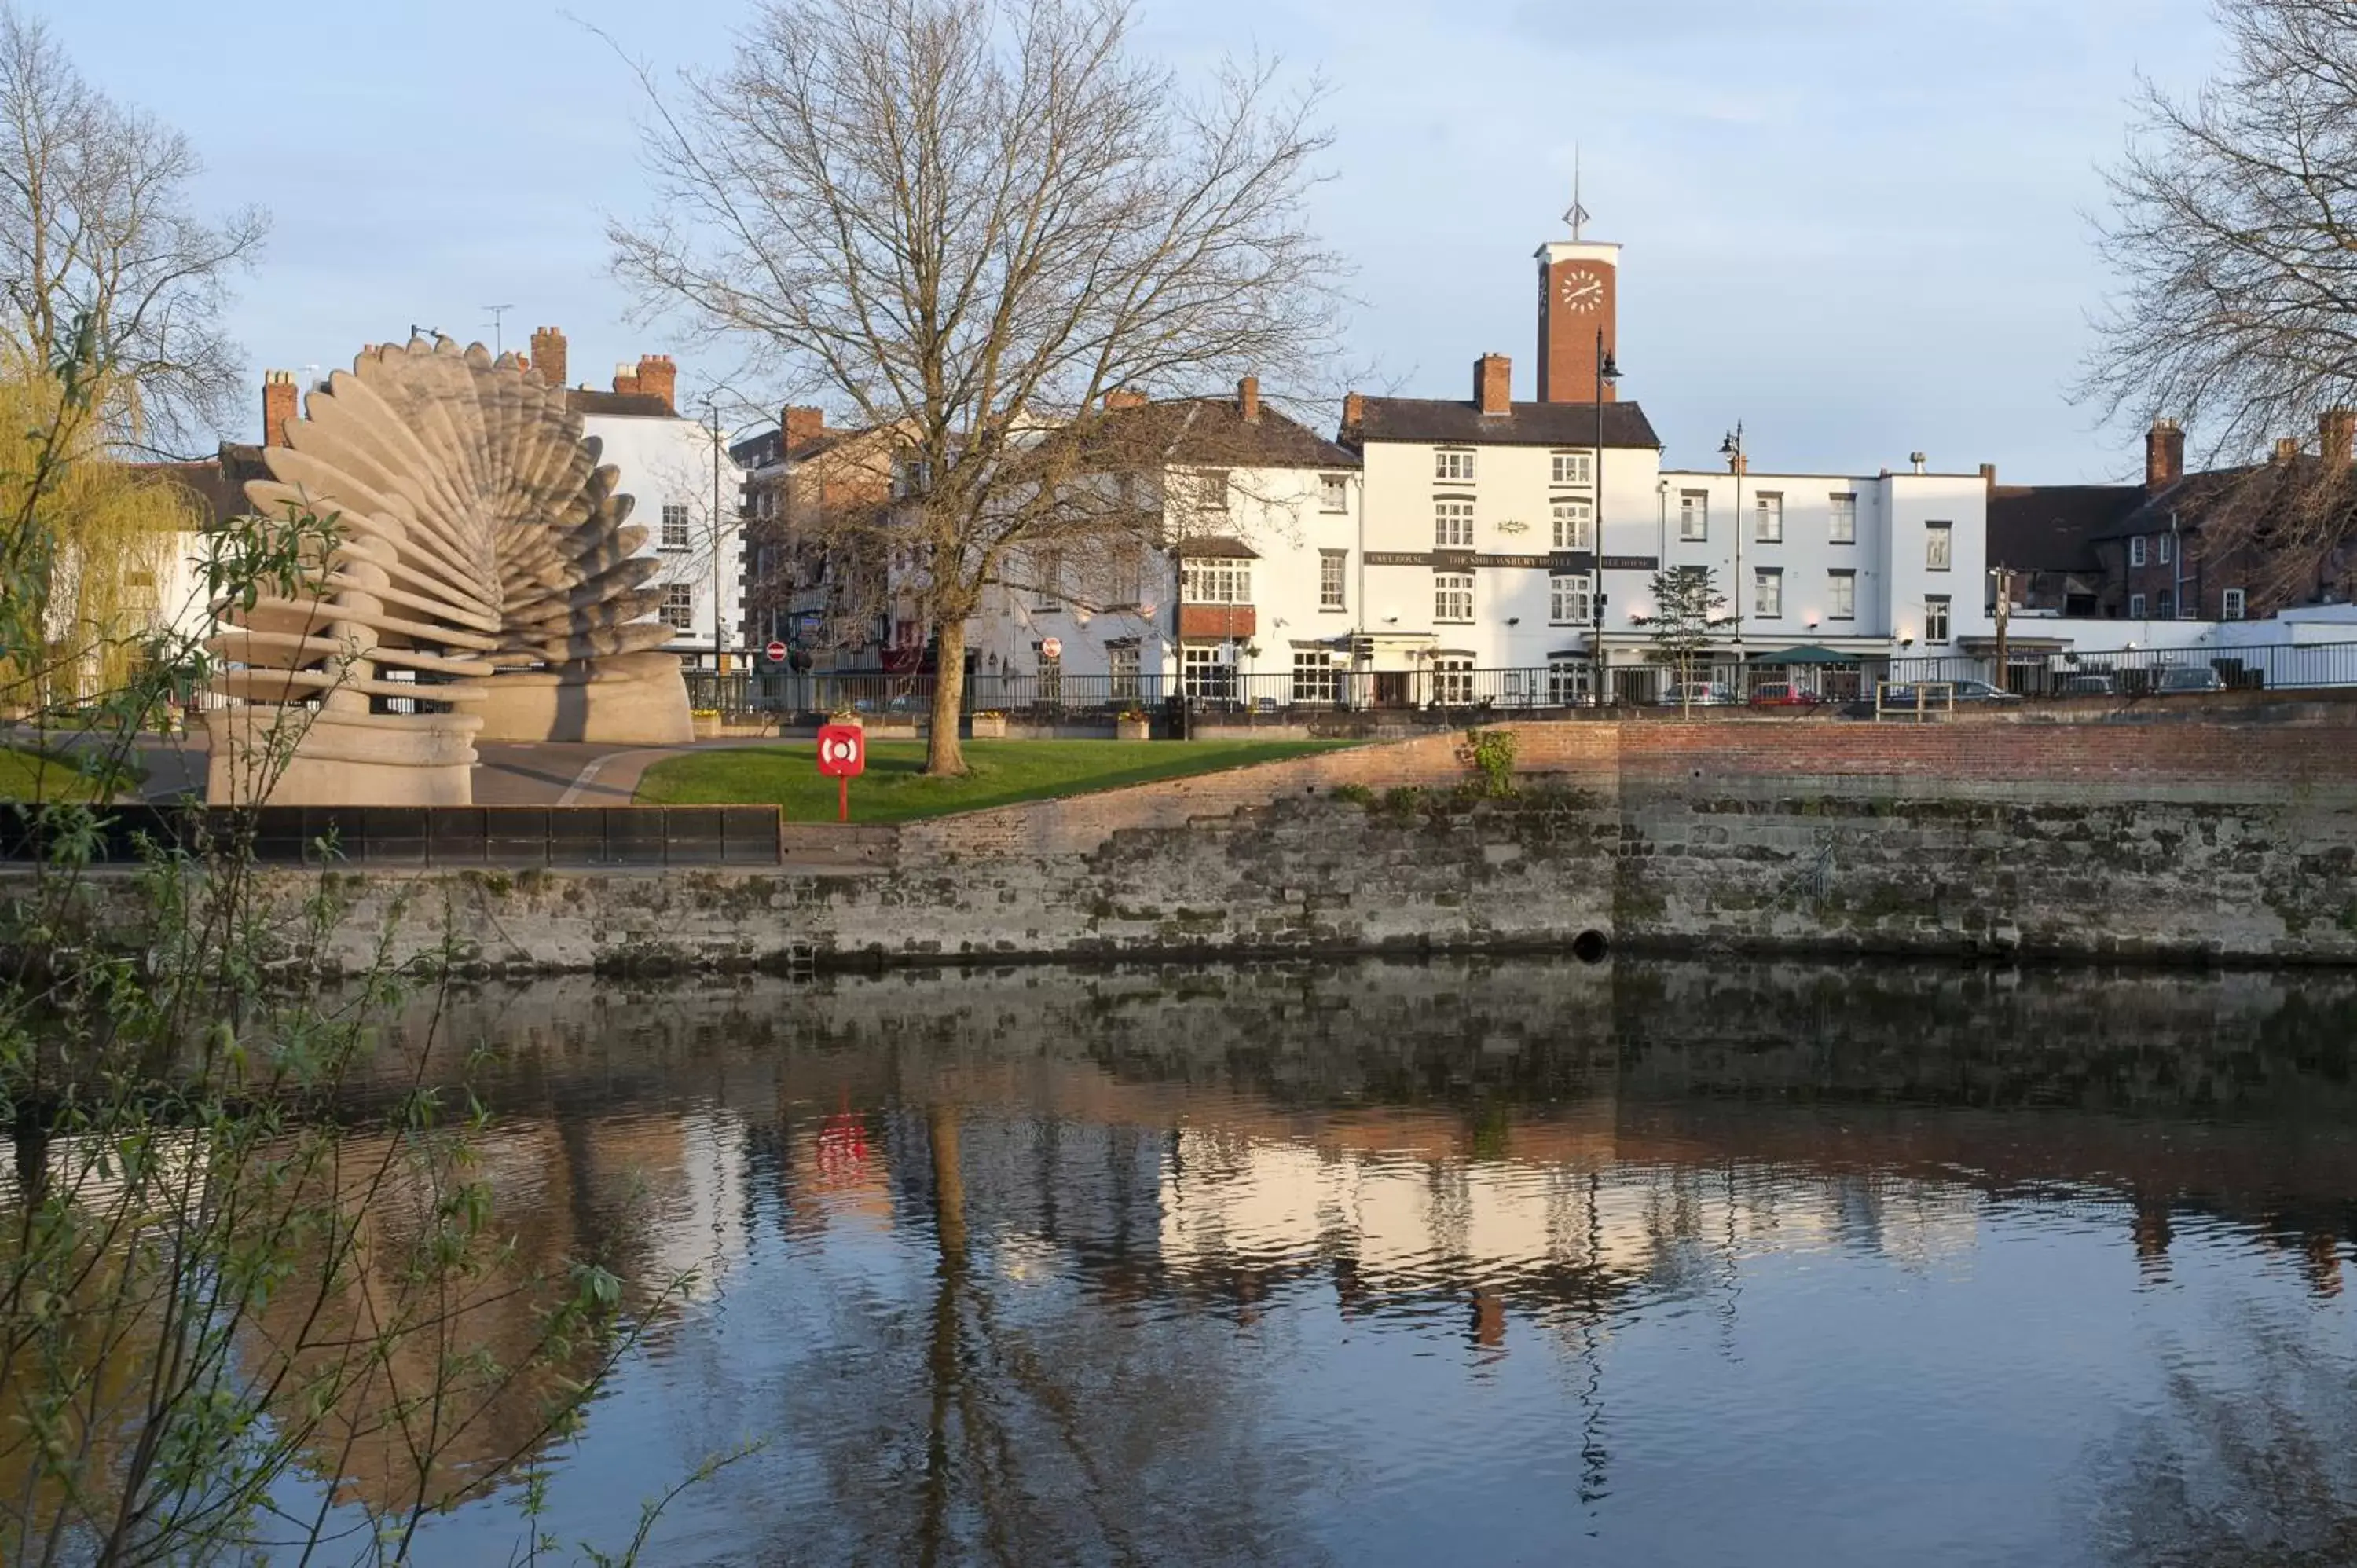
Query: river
<point x="1514" y="1262"/>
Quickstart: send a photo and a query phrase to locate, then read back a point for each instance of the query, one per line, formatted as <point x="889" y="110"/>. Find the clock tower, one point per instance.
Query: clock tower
<point x="1579" y="295"/>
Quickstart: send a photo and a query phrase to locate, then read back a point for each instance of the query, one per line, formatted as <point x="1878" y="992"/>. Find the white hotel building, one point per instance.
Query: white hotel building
<point x="1454" y="552"/>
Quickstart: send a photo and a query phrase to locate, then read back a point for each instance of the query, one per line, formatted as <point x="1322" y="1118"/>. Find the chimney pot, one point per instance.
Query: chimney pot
<point x="1248" y="399"/>
<point x="800" y="425"/>
<point x="548" y="353"/>
<point x="2164" y="455"/>
<point x="1919" y="460"/>
<point x="657" y="377"/>
<point x="278" y="406"/>
<point x="2335" y="431"/>
<point x="1494" y="384"/>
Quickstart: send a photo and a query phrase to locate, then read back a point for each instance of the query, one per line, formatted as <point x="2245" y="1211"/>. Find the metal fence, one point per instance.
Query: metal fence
<point x="2276" y="667"/>
<point x="420" y="835"/>
<point x="812" y="696"/>
<point x="1080" y="696"/>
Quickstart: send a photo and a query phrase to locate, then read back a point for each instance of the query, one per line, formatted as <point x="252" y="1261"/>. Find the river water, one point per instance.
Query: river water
<point x="1409" y="1263"/>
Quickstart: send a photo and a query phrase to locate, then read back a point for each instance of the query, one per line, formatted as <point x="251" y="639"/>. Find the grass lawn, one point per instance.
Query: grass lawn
<point x="28" y="776"/>
<point x="893" y="791"/>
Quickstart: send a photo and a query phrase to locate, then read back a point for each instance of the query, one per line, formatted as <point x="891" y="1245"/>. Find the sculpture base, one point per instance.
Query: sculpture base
<point x="634" y="699"/>
<point x="295" y="756"/>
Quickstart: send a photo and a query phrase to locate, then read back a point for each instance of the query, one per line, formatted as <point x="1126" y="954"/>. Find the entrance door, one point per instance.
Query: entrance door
<point x="1392" y="689"/>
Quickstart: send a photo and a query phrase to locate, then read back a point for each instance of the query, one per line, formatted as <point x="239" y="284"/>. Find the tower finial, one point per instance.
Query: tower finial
<point x="1578" y="216"/>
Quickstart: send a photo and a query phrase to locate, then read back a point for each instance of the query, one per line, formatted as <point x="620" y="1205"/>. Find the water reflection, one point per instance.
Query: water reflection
<point x="1412" y="1263"/>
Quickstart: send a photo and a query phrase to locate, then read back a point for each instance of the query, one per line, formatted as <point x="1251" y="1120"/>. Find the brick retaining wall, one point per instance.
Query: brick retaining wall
<point x="2235" y="843"/>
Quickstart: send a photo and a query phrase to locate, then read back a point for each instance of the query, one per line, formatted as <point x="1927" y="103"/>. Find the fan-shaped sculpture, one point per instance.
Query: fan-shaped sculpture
<point x="481" y="582"/>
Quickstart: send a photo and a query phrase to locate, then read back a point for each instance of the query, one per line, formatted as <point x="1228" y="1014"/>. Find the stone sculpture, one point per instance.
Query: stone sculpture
<point x="483" y="584"/>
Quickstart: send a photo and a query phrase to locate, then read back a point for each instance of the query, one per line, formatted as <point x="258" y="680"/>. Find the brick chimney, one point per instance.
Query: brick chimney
<point x="1248" y="399"/>
<point x="626" y="379"/>
<point x="1738" y="462"/>
<point x="2287" y="448"/>
<point x="1123" y="397"/>
<point x="657" y="377"/>
<point x="1494" y="384"/>
<point x="278" y="406"/>
<point x="800" y="425"/>
<point x="2335" y="431"/>
<point x="548" y="353"/>
<point x="1354" y="415"/>
<point x="2164" y="455"/>
<point x="1988" y="477"/>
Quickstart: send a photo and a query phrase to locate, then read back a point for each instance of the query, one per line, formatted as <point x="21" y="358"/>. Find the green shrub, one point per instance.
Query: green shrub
<point x="1491" y="753"/>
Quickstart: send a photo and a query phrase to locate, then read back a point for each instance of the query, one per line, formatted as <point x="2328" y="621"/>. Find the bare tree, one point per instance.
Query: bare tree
<point x="2233" y="233"/>
<point x="969" y="221"/>
<point x="98" y="243"/>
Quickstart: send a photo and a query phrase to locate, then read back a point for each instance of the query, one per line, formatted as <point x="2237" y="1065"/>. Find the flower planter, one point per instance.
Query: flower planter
<point x="990" y="726"/>
<point x="1133" y="729"/>
<point x="706" y="729"/>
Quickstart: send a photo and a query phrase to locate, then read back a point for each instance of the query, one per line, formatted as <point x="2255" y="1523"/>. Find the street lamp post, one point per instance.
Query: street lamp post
<point x="1732" y="449"/>
<point x="719" y="608"/>
<point x="1608" y="373"/>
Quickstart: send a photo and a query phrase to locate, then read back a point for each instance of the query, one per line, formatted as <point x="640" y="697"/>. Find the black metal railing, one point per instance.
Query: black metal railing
<point x="807" y="697"/>
<point x="417" y="835"/>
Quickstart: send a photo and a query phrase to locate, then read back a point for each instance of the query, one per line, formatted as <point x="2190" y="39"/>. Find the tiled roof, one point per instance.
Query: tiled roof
<point x="641" y="405"/>
<point x="1452" y="423"/>
<point x="1213" y="430"/>
<point x="2053" y="528"/>
<point x="1214" y="547"/>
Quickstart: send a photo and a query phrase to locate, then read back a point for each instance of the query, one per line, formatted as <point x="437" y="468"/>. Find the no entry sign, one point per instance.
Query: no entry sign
<point x="775" y="652"/>
<point x="841" y="757"/>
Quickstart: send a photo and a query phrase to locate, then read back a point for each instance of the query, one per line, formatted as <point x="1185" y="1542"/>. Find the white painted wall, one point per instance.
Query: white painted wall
<point x="1279" y="512"/>
<point x="668" y="461"/>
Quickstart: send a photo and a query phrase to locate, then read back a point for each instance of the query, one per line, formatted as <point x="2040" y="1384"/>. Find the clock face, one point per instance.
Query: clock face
<point x="1582" y="292"/>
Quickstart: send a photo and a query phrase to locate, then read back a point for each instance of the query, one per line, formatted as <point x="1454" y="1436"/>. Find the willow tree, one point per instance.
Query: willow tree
<point x="89" y="548"/>
<point x="967" y="222"/>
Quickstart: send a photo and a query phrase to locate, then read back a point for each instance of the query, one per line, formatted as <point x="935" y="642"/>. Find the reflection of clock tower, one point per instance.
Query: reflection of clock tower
<point x="1580" y="288"/>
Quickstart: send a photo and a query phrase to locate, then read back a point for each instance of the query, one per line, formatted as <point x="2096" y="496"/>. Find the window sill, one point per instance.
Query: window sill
<point x="1333" y="609"/>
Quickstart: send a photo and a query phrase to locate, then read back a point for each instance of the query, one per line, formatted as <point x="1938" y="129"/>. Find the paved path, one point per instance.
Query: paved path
<point x="510" y="773"/>
<point x="612" y="780"/>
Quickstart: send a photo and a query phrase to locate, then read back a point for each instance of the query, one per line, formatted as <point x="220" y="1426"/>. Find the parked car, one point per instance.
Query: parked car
<point x="1784" y="694"/>
<point x="1698" y="695"/>
<point x="2188" y="678"/>
<point x="1982" y="691"/>
<point x="2091" y="684"/>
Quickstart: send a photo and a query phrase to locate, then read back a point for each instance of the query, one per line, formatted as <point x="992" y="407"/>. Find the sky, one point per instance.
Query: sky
<point x="1863" y="228"/>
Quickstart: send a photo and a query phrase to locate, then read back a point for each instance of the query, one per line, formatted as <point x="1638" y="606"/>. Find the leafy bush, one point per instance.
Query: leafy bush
<point x="1491" y="753"/>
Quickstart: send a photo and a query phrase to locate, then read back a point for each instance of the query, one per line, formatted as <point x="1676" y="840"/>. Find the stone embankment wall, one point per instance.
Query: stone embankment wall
<point x="2154" y="841"/>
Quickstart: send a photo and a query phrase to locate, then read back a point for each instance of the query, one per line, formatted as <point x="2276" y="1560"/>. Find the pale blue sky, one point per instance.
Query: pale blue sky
<point x="1858" y="225"/>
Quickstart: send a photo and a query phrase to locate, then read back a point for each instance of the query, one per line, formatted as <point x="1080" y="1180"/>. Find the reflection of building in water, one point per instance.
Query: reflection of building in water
<point x="1566" y="1211"/>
